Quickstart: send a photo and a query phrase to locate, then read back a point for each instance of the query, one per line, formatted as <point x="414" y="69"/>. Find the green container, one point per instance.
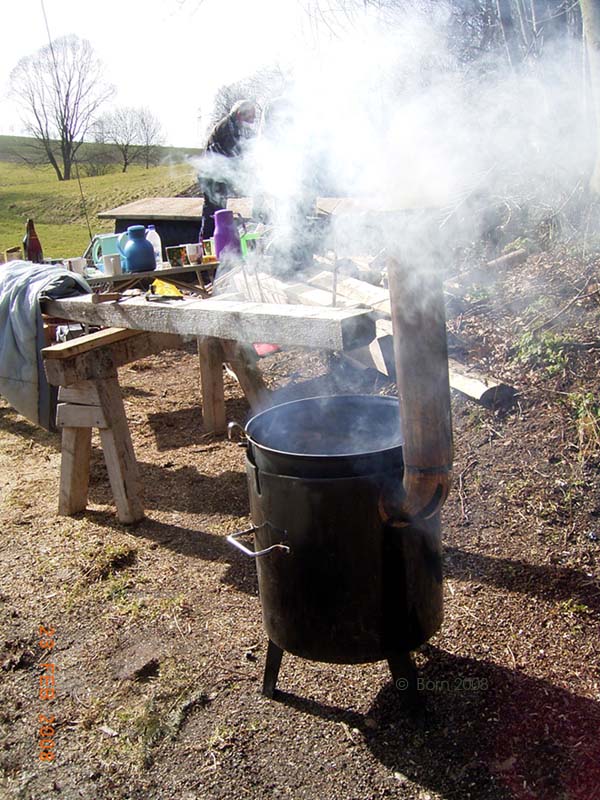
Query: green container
<point x="250" y="244"/>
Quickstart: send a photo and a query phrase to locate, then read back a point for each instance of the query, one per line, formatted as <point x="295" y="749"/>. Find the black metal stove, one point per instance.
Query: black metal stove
<point x="337" y="583"/>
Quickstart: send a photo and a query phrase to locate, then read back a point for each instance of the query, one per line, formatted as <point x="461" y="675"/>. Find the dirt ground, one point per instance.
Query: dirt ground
<point x="158" y="640"/>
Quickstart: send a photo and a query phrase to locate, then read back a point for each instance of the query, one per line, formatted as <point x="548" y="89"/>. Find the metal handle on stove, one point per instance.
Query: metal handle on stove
<point x="233" y="539"/>
<point x="231" y="427"/>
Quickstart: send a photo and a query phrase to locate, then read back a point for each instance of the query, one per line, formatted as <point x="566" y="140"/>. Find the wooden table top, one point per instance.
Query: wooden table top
<point x="190" y="208"/>
<point x="292" y="325"/>
<point x="173" y="208"/>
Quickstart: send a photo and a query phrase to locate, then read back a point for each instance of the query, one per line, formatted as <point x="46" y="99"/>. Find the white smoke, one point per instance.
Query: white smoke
<point x="389" y="114"/>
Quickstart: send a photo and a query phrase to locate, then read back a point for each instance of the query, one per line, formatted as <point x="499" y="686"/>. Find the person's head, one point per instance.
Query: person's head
<point x="244" y="111"/>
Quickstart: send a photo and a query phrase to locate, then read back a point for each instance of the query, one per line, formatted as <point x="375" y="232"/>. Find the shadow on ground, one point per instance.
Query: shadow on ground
<point x="547" y="581"/>
<point x="481" y="725"/>
<point x="192" y="543"/>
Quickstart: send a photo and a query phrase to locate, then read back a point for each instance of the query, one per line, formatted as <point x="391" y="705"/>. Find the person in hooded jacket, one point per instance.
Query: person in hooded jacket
<point x="227" y="140"/>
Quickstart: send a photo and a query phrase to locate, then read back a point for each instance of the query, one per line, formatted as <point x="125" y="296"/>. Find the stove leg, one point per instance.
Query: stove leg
<point x="404" y="675"/>
<point x="273" y="662"/>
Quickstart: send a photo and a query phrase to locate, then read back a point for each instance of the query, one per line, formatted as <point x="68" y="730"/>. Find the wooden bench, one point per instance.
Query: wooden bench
<point x="89" y="396"/>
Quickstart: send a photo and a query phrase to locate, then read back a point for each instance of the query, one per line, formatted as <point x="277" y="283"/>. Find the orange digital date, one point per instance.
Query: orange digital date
<point x="46" y="729"/>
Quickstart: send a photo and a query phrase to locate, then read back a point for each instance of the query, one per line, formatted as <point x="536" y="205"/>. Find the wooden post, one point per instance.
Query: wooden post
<point x="118" y="452"/>
<point x="243" y="362"/>
<point x="210" y="353"/>
<point x="74" y="470"/>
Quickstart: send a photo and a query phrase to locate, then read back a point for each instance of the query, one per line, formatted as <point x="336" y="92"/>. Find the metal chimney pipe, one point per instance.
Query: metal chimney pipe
<point x="421" y="357"/>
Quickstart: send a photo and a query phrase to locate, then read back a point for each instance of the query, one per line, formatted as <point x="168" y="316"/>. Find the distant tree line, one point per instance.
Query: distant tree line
<point x="61" y="91"/>
<point x="134" y="133"/>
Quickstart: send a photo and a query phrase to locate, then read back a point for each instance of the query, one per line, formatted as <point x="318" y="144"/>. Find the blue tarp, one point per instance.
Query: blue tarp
<point x="22" y="377"/>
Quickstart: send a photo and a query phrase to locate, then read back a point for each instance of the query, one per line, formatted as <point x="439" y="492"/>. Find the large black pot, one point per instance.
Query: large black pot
<point x="325" y="437"/>
<point x="336" y="583"/>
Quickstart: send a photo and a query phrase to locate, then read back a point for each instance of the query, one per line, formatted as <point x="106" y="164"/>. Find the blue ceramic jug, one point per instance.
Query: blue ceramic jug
<point x="137" y="250"/>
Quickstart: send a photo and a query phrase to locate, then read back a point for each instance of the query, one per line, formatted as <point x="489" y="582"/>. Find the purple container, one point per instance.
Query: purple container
<point x="227" y="237"/>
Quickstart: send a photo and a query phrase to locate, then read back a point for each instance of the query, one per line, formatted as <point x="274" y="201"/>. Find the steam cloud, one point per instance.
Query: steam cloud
<point x="389" y="114"/>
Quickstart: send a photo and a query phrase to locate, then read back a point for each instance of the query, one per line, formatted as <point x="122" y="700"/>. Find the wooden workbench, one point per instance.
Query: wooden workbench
<point x="291" y="325"/>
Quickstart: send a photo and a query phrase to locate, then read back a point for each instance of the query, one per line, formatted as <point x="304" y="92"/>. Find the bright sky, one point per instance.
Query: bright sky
<point x="170" y="55"/>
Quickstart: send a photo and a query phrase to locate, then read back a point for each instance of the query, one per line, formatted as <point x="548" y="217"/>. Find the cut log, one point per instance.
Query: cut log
<point x="508" y="260"/>
<point x="485" y="390"/>
<point x="488" y="391"/>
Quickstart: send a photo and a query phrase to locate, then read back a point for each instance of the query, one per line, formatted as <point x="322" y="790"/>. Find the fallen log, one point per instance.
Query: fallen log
<point x="508" y="260"/>
<point x="485" y="390"/>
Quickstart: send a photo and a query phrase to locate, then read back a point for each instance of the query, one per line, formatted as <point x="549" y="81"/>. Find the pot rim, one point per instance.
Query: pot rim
<point x="318" y="456"/>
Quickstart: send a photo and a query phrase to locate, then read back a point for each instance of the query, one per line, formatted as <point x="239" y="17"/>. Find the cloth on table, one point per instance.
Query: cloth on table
<point x="22" y="378"/>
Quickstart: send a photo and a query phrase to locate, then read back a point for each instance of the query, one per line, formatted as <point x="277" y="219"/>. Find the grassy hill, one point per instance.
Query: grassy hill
<point x="58" y="208"/>
<point x="14" y="148"/>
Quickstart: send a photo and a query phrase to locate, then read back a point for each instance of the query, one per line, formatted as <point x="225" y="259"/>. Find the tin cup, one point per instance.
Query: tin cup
<point x="77" y="265"/>
<point x="194" y="253"/>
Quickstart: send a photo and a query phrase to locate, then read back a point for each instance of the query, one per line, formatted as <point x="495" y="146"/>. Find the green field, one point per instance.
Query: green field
<point x="58" y="209"/>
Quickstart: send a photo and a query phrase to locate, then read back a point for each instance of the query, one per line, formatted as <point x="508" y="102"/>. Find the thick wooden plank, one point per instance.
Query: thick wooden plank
<point x="90" y="341"/>
<point x="356" y="291"/>
<point x="103" y="362"/>
<point x="71" y="415"/>
<point x="300" y="326"/>
<point x="84" y="393"/>
<point x="211" y="376"/>
<point x="74" y="470"/>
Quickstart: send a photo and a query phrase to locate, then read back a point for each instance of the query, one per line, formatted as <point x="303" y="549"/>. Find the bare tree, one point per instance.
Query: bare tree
<point x="134" y="132"/>
<point x="120" y="128"/>
<point x="150" y="136"/>
<point x="60" y="88"/>
<point x="520" y="27"/>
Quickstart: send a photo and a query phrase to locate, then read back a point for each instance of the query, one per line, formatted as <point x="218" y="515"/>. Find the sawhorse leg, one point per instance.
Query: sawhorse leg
<point x="242" y="360"/>
<point x="97" y="404"/>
